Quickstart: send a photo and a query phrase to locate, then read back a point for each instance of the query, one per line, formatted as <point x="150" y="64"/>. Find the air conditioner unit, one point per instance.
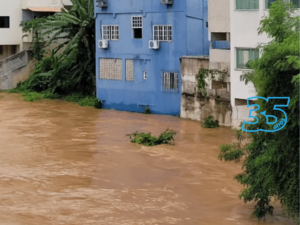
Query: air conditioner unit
<point x="102" y="3"/>
<point x="103" y="43"/>
<point x="167" y="2"/>
<point x="154" y="44"/>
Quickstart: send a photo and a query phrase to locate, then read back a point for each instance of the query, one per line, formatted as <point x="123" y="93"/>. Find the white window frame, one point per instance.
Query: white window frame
<point x="163" y="33"/>
<point x="236" y="56"/>
<point x="167" y="81"/>
<point x="110" y="34"/>
<point x="116" y="34"/>
<point x="235" y="4"/>
<point x="287" y="1"/>
<point x="133" y="27"/>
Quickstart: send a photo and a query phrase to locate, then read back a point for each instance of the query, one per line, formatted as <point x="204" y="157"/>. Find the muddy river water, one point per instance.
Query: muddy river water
<point x="62" y="164"/>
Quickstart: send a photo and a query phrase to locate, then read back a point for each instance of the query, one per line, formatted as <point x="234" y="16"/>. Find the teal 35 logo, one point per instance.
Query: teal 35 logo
<point x="270" y="120"/>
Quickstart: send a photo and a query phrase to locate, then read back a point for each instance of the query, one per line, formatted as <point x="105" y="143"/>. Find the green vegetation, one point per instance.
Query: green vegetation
<point x="208" y="74"/>
<point x="84" y="100"/>
<point x="147" y="110"/>
<point x="271" y="169"/>
<point x="210" y="122"/>
<point x="236" y="150"/>
<point x="70" y="66"/>
<point x="148" y="140"/>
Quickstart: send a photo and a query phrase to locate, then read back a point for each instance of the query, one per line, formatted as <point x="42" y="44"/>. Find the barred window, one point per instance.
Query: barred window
<point x="105" y="32"/>
<point x="243" y="56"/>
<point x="137" y="22"/>
<point x="129" y="70"/>
<point x="137" y="27"/>
<point x="162" y="33"/>
<point x="247" y="4"/>
<point x="110" y="32"/>
<point x="110" y="69"/>
<point x="170" y="81"/>
<point x="114" y="33"/>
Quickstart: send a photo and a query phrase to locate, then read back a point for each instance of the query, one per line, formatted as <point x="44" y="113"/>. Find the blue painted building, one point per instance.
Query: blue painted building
<point x="132" y="71"/>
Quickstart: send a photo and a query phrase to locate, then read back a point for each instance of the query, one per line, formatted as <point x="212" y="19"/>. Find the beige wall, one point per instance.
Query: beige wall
<point x="41" y="3"/>
<point x="219" y="15"/>
<point x="12" y="35"/>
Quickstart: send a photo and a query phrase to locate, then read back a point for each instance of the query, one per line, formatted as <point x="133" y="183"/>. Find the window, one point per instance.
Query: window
<point x="114" y="33"/>
<point x="162" y="33"/>
<point x="247" y="4"/>
<point x="110" y="32"/>
<point x="170" y="81"/>
<point x="110" y="69"/>
<point x="4" y="21"/>
<point x="129" y="70"/>
<point x="137" y="26"/>
<point x="243" y="56"/>
<point x="296" y="3"/>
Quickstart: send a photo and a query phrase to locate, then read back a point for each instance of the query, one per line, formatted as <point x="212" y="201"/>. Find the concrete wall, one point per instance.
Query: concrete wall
<point x="219" y="15"/>
<point x="188" y="21"/>
<point x="195" y="107"/>
<point x="15" y="69"/>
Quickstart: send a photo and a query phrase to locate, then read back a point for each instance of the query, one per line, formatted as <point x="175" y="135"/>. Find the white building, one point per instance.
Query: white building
<point x="245" y="20"/>
<point x="12" y="12"/>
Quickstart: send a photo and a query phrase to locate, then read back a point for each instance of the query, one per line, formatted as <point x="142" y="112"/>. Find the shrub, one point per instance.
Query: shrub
<point x="210" y="122"/>
<point x="148" y="140"/>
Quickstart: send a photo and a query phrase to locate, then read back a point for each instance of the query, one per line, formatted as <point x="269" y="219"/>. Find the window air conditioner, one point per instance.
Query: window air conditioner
<point x="103" y="43"/>
<point x="102" y="3"/>
<point x="167" y="2"/>
<point x="154" y="44"/>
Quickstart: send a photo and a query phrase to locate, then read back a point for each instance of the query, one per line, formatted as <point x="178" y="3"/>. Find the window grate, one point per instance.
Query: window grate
<point x="106" y="32"/>
<point x="129" y="70"/>
<point x="170" y="82"/>
<point x="137" y="22"/>
<point x="162" y="33"/>
<point x="110" y="69"/>
<point x="110" y="32"/>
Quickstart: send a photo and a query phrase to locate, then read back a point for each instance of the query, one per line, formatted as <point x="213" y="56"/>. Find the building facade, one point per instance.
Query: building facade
<point x="140" y="43"/>
<point x="15" y="11"/>
<point x="246" y="16"/>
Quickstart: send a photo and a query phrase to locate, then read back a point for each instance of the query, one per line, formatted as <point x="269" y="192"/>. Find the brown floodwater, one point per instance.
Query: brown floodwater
<point x="62" y="164"/>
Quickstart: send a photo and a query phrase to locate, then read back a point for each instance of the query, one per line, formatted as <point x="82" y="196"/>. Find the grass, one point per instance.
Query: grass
<point x="80" y="99"/>
<point x="147" y="139"/>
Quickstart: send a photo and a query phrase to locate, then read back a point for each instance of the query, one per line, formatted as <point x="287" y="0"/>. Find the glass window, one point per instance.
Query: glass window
<point x="4" y="21"/>
<point x="170" y="81"/>
<point x="243" y="56"/>
<point x="162" y="33"/>
<point x="247" y="4"/>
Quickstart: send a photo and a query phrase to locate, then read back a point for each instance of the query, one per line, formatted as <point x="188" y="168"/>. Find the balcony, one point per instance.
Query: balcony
<point x="220" y="45"/>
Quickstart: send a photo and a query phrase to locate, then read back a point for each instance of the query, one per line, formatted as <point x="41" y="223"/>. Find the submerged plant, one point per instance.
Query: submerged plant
<point x="236" y="150"/>
<point x="148" y="140"/>
<point x="147" y="110"/>
<point x="210" y="122"/>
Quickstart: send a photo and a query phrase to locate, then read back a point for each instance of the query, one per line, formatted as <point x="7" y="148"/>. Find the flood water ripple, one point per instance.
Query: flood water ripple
<point x="62" y="164"/>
